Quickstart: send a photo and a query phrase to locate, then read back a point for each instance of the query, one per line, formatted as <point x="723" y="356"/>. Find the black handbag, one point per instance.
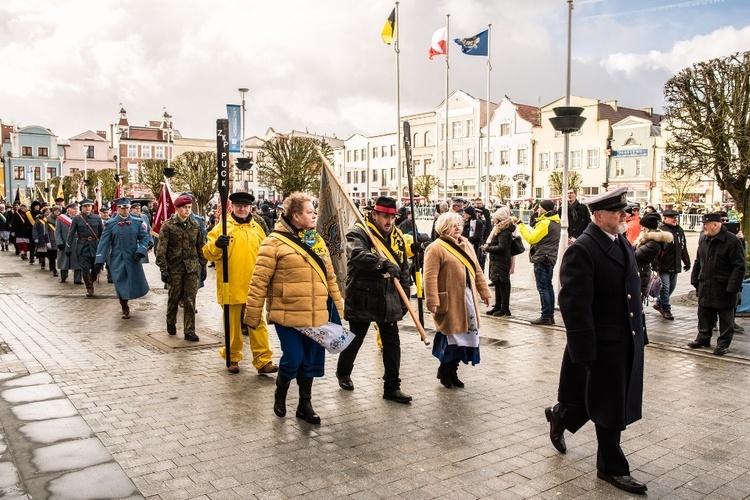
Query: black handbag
<point x="516" y="246"/>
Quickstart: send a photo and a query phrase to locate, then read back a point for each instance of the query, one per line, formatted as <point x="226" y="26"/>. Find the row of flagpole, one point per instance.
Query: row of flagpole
<point x="478" y="45"/>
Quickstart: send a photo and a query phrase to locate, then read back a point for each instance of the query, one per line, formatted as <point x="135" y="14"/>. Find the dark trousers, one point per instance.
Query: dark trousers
<point x="52" y="256"/>
<point x="502" y="296"/>
<point x="391" y="352"/>
<point x="609" y="456"/>
<point x="707" y="322"/>
<point x="183" y="287"/>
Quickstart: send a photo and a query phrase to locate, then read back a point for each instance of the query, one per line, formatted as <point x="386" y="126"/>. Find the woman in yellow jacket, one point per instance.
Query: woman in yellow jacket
<point x="295" y="289"/>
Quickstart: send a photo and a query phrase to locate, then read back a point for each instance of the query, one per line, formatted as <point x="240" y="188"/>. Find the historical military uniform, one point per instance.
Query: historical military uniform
<point x="86" y="231"/>
<point x="66" y="262"/>
<point x="125" y="241"/>
<point x="181" y="261"/>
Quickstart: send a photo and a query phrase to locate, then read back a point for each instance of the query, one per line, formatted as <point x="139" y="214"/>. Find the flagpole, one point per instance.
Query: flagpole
<point x="489" y="70"/>
<point x="447" y="86"/>
<point x="399" y="173"/>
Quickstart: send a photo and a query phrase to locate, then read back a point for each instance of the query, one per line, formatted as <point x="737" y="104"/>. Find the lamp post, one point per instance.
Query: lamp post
<point x="168" y="123"/>
<point x="244" y="163"/>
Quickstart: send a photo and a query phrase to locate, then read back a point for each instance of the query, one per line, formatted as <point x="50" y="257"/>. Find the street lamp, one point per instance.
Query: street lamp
<point x="243" y="163"/>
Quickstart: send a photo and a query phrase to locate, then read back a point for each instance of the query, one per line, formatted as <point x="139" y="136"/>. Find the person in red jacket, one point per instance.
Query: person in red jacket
<point x="633" y="220"/>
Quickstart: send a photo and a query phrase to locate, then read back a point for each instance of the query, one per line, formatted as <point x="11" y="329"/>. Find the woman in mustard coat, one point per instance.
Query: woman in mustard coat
<point x="453" y="279"/>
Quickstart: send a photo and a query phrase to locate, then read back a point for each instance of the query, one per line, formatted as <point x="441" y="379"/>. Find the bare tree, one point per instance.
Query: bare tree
<point x="195" y="172"/>
<point x="424" y="185"/>
<point x="680" y="183"/>
<point x="575" y="181"/>
<point x="500" y="185"/>
<point x="708" y="112"/>
<point x="292" y="164"/>
<point x="151" y="174"/>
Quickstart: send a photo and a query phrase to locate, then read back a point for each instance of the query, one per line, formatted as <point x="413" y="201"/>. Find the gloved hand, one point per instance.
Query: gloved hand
<point x="61" y="247"/>
<point x="137" y="257"/>
<point x="415" y="248"/>
<point x="222" y="241"/>
<point x="391" y="268"/>
<point x="686" y="267"/>
<point x="67" y="254"/>
<point x="99" y="267"/>
<point x="204" y="274"/>
<point x="165" y="277"/>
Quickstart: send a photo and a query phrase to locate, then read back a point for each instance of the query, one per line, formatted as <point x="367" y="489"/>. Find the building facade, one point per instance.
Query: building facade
<point x="31" y="157"/>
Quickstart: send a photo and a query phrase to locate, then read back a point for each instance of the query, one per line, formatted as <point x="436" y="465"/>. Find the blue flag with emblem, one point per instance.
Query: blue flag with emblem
<point x="475" y="45"/>
<point x="235" y="127"/>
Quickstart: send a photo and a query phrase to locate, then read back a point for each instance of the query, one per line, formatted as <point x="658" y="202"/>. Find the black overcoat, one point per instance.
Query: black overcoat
<point x="718" y="270"/>
<point x="499" y="252"/>
<point x="600" y="301"/>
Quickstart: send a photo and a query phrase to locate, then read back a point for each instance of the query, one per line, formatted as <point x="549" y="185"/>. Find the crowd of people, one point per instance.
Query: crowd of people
<point x="272" y="267"/>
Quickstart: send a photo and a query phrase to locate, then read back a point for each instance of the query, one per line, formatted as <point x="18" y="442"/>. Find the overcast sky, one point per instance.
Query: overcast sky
<point x="69" y="65"/>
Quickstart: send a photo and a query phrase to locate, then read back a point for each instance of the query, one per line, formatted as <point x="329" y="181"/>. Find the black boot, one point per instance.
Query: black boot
<point x="494" y="309"/>
<point x="443" y="374"/>
<point x="125" y="309"/>
<point x="63" y="275"/>
<point x="454" y="374"/>
<point x="304" y="408"/>
<point x="279" y="397"/>
<point x="89" y="284"/>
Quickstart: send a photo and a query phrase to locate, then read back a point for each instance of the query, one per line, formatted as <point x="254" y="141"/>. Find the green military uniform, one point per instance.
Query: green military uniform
<point x="179" y="256"/>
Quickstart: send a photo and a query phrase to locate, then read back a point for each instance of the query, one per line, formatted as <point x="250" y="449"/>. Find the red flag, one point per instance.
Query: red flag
<point x="165" y="209"/>
<point x="118" y="195"/>
<point x="439" y="43"/>
<point x="97" y="198"/>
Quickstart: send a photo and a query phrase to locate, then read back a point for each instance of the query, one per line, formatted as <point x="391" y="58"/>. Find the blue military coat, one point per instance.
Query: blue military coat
<point x="121" y="240"/>
<point x="600" y="301"/>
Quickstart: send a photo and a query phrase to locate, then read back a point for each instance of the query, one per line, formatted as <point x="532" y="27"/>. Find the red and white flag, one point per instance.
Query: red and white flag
<point x="439" y="43"/>
<point x="118" y="195"/>
<point x="97" y="197"/>
<point x="164" y="211"/>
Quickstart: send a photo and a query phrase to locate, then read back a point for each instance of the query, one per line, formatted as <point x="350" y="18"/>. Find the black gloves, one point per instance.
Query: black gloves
<point x="391" y="268"/>
<point x="61" y="247"/>
<point x="137" y="257"/>
<point x="165" y="277"/>
<point x="415" y="248"/>
<point x="222" y="241"/>
<point x="67" y="254"/>
<point x="204" y="274"/>
<point x="686" y="267"/>
<point x="99" y="268"/>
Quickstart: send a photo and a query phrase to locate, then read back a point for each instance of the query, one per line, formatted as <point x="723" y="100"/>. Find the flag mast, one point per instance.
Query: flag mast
<point x="489" y="159"/>
<point x="447" y="86"/>
<point x="399" y="173"/>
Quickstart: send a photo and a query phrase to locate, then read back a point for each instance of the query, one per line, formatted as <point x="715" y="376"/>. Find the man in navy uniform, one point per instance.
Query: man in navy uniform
<point x="84" y="234"/>
<point x="601" y="378"/>
<point x="125" y="240"/>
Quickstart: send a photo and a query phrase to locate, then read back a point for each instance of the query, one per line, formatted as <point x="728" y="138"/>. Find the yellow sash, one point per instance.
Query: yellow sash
<point x="388" y="253"/>
<point x="464" y="261"/>
<point x="304" y="255"/>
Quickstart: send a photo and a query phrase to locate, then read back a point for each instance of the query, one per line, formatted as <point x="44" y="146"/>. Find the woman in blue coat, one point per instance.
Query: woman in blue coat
<point x="125" y="240"/>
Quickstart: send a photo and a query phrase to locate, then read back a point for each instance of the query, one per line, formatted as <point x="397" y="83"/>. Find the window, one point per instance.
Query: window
<point x="19" y="172"/>
<point x="43" y="151"/>
<point x="260" y="156"/>
<point x="26" y="151"/>
<point x="51" y="172"/>
<point x="159" y="152"/>
<point x="469" y="128"/>
<point x="356" y="155"/>
<point x="427" y="139"/>
<point x="363" y="175"/>
<point x="90" y="152"/>
<point x="442" y="160"/>
<point x="393" y="150"/>
<point x="505" y="129"/>
<point x="559" y="160"/>
<point x="348" y="177"/>
<point x="37" y="173"/>
<point x="639" y="164"/>
<point x="543" y="161"/>
<point x="132" y="151"/>
<point x="145" y="151"/>
<point x="383" y="177"/>
<point x="249" y="155"/>
<point x="374" y="176"/>
<point x="427" y="165"/>
<point x="469" y="157"/>
<point x="662" y="163"/>
<point x="523" y="156"/>
<point x="375" y="152"/>
<point x="592" y="158"/>
<point x="589" y="191"/>
<point x="521" y="189"/>
<point x="575" y="159"/>
<point x="442" y="131"/>
<point x="356" y="177"/>
<point x="504" y="157"/>
<point x="455" y="130"/>
<point x="383" y="151"/>
<point x="349" y="156"/>
<point x="250" y="176"/>
<point x="363" y="154"/>
<point x="415" y="141"/>
<point x="456" y="158"/>
<point x="619" y="168"/>
<point x="393" y="173"/>
<point x="539" y="192"/>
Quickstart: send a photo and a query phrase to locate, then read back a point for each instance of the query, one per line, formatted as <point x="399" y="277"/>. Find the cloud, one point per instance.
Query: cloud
<point x="721" y="42"/>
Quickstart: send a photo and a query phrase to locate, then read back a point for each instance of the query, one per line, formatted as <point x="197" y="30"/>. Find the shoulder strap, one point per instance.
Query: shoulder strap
<point x="306" y="252"/>
<point x="384" y="246"/>
<point x="89" y="226"/>
<point x="460" y="254"/>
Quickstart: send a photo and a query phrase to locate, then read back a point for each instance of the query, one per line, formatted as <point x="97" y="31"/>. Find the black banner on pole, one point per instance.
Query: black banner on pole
<point x="222" y="159"/>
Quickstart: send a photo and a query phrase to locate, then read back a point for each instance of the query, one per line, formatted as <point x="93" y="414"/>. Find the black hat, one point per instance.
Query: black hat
<point x="471" y="211"/>
<point x="241" y="198"/>
<point x="86" y="202"/>
<point x="632" y="206"/>
<point x="59" y="199"/>
<point x="612" y="201"/>
<point x="712" y="217"/>
<point x="650" y="221"/>
<point x="71" y="205"/>
<point x="547" y="205"/>
<point x="135" y="205"/>
<point x="122" y="202"/>
<point x="670" y="213"/>
<point x="386" y="205"/>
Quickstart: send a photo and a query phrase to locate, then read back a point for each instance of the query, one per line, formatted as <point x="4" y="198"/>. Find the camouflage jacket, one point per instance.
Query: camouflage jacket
<point x="180" y="248"/>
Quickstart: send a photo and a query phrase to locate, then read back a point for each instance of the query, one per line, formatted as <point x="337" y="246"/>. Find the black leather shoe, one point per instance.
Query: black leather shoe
<point x="696" y="345"/>
<point x="171" y="329"/>
<point x="625" y="483"/>
<point x="720" y="351"/>
<point x="542" y="321"/>
<point x="192" y="337"/>
<point x="397" y="396"/>
<point x="556" y="430"/>
<point x="345" y="382"/>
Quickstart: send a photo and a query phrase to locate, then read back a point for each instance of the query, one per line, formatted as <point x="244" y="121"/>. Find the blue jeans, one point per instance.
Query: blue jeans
<point x="543" y="275"/>
<point x="668" y="284"/>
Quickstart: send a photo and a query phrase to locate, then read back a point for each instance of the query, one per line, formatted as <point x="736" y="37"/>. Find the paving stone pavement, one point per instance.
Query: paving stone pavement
<point x="116" y="402"/>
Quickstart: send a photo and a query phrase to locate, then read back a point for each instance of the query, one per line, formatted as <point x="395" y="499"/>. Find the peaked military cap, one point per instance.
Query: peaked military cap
<point x="611" y="201"/>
